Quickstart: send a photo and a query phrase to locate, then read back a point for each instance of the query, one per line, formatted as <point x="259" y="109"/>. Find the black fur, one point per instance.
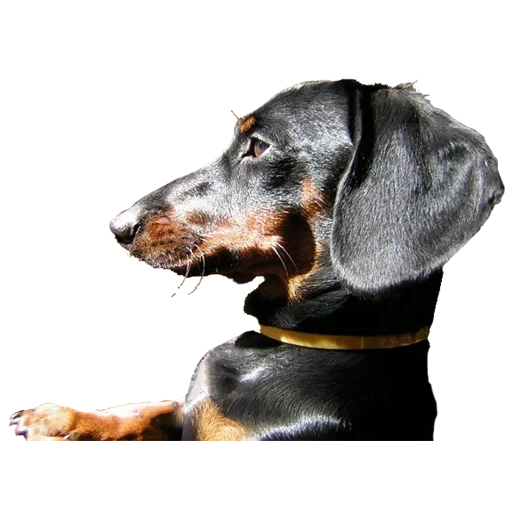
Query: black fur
<point x="401" y="187"/>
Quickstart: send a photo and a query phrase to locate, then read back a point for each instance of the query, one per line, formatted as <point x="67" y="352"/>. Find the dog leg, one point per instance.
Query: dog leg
<point x="148" y="421"/>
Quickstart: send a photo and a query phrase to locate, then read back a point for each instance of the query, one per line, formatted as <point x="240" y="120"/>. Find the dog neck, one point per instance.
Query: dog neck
<point x="333" y="311"/>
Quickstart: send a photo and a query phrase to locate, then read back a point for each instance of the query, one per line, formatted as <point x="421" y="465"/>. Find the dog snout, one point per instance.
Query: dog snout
<point x="126" y="225"/>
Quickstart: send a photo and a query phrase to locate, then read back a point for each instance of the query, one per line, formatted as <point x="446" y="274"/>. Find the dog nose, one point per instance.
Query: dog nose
<point x="126" y="225"/>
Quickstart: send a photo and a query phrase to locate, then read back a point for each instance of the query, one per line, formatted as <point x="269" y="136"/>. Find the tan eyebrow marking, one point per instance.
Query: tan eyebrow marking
<point x="247" y="123"/>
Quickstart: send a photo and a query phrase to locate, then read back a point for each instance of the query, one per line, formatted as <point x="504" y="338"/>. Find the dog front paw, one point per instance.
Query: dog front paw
<point x="48" y="422"/>
<point x="132" y="422"/>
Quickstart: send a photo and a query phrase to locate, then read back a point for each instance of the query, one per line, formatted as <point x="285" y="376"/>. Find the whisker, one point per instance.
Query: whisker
<point x="189" y="263"/>
<point x="288" y="254"/>
<point x="281" y="260"/>
<point x="186" y="273"/>
<point x="204" y="269"/>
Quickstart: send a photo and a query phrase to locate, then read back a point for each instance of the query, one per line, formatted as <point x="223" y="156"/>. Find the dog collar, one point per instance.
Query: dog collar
<point x="341" y="342"/>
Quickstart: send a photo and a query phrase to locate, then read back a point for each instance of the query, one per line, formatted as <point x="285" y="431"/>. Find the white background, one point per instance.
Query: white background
<point x="78" y="323"/>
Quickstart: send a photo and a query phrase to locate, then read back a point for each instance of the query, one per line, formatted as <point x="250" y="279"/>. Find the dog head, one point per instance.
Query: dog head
<point x="328" y="185"/>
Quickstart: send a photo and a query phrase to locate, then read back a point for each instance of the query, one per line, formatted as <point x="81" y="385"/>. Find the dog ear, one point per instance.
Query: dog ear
<point x="419" y="186"/>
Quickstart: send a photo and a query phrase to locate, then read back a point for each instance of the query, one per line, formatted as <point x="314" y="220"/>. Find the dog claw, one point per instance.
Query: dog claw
<point x="21" y="430"/>
<point x="14" y="419"/>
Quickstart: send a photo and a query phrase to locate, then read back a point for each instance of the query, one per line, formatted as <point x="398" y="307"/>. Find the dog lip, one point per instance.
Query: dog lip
<point x="119" y="244"/>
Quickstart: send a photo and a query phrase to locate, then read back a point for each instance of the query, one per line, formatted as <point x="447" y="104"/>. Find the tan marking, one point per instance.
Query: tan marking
<point x="252" y="238"/>
<point x="256" y="242"/>
<point x="164" y="236"/>
<point x="147" y="421"/>
<point x="246" y="124"/>
<point x="196" y="217"/>
<point x="313" y="204"/>
<point x="255" y="239"/>
<point x="134" y="422"/>
<point x="295" y="282"/>
<point x="212" y="425"/>
<point x="312" y="200"/>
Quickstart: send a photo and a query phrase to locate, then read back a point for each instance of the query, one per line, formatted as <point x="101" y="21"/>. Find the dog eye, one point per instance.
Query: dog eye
<point x="258" y="147"/>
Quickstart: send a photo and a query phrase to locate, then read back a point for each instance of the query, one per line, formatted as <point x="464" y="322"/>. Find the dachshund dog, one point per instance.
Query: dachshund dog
<point x="348" y="199"/>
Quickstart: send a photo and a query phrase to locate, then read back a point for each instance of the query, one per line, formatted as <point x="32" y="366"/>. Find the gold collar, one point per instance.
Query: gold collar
<point x="332" y="342"/>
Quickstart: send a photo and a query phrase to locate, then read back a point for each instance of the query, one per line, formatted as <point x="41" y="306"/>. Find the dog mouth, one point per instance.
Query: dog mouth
<point x="240" y="251"/>
<point x="187" y="257"/>
<point x="197" y="264"/>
